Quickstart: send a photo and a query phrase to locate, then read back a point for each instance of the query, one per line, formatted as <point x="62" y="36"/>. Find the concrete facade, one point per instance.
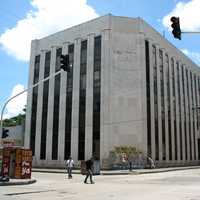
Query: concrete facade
<point x="123" y="88"/>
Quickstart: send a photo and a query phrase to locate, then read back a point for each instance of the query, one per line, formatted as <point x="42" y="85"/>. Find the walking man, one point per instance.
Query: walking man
<point x="89" y="165"/>
<point x="69" y="165"/>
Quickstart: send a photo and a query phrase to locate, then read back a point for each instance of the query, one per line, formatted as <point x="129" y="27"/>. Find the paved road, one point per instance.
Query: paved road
<point x="176" y="185"/>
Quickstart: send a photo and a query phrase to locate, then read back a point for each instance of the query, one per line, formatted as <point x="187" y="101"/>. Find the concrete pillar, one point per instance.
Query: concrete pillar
<point x="177" y="109"/>
<point x="187" y="117"/>
<point x="62" y="109"/>
<point x="75" y="100"/>
<point x="192" y="113"/>
<point x="195" y="118"/>
<point x="172" y="109"/>
<point x="196" y="115"/>
<point x="105" y="92"/>
<point x="182" y="110"/>
<point x="143" y="93"/>
<point x="166" y="71"/>
<point x="191" y="117"/>
<point x="152" y="99"/>
<point x="39" y="108"/>
<point x="89" y="97"/>
<point x="159" y="103"/>
<point x="50" y="106"/>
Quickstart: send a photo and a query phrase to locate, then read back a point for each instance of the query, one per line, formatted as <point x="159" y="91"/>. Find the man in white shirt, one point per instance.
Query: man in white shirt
<point x="69" y="165"/>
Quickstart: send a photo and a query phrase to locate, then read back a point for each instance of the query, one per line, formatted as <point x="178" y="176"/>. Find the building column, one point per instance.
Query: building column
<point x="50" y="107"/>
<point x="75" y="100"/>
<point x="187" y="116"/>
<point x="181" y="72"/>
<point x="195" y="118"/>
<point x="152" y="99"/>
<point x="89" y="97"/>
<point x="27" y="135"/>
<point x="105" y="92"/>
<point x="62" y="109"/>
<point x="191" y="117"/>
<point x="143" y="92"/>
<point x="197" y="115"/>
<point x="198" y="104"/>
<point x="39" y="108"/>
<point x="165" y="75"/>
<point x="193" y="114"/>
<point x="159" y="103"/>
<point x="172" y="109"/>
<point x="177" y="109"/>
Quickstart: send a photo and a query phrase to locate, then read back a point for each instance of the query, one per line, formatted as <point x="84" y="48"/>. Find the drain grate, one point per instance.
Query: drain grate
<point x="30" y="192"/>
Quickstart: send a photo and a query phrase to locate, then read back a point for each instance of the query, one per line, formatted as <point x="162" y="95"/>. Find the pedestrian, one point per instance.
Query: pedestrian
<point x="130" y="164"/>
<point x="69" y="166"/>
<point x="89" y="166"/>
<point x="152" y="165"/>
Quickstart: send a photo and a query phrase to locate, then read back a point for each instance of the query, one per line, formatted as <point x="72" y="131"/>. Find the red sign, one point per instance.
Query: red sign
<point x="26" y="163"/>
<point x="5" y="167"/>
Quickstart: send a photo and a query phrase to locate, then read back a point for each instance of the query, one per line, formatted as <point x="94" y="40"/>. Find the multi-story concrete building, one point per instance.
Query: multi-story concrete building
<point x="127" y="86"/>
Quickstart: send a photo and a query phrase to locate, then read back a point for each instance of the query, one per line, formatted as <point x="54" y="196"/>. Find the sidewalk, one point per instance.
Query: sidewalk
<point x="118" y="172"/>
<point x="102" y="172"/>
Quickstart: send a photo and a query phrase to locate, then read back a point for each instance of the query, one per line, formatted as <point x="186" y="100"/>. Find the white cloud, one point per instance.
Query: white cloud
<point x="195" y="56"/>
<point x="49" y="16"/>
<point x="188" y="13"/>
<point x="16" y="105"/>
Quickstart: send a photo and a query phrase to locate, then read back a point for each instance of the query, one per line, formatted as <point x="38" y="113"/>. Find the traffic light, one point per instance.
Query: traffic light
<point x="176" y="27"/>
<point x="5" y="133"/>
<point x="64" y="62"/>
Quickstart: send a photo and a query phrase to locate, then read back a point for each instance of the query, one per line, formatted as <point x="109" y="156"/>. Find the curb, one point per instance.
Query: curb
<point x="133" y="172"/>
<point x="169" y="170"/>
<point x="18" y="182"/>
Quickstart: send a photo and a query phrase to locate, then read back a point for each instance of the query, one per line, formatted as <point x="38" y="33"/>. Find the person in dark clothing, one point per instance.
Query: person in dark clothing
<point x="89" y="165"/>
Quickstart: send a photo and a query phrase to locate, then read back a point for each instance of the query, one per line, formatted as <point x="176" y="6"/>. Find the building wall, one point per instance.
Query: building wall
<point x="123" y="94"/>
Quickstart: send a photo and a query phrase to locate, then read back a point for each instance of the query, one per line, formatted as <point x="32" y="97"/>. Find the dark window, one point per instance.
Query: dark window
<point x="96" y="97"/>
<point x="198" y="149"/>
<point x="69" y="103"/>
<point x="33" y="118"/>
<point x="47" y="64"/>
<point x="58" y="53"/>
<point x="148" y="99"/>
<point x="44" y="120"/>
<point x="36" y="69"/>
<point x="56" y="118"/>
<point x="82" y="101"/>
<point x="154" y="60"/>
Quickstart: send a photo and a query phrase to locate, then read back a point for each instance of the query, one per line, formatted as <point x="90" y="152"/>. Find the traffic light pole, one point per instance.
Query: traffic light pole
<point x="191" y="32"/>
<point x="5" y="104"/>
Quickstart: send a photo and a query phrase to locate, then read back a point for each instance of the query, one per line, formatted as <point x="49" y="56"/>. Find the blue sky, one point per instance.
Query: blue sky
<point x="24" y="20"/>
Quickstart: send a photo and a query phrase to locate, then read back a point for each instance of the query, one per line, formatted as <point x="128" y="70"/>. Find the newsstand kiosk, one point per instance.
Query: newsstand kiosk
<point x="15" y="162"/>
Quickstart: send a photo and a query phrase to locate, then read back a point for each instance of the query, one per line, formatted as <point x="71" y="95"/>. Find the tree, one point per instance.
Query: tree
<point x="15" y="121"/>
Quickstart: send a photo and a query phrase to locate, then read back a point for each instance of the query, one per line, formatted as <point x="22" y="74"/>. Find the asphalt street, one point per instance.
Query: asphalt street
<point x="174" y="185"/>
